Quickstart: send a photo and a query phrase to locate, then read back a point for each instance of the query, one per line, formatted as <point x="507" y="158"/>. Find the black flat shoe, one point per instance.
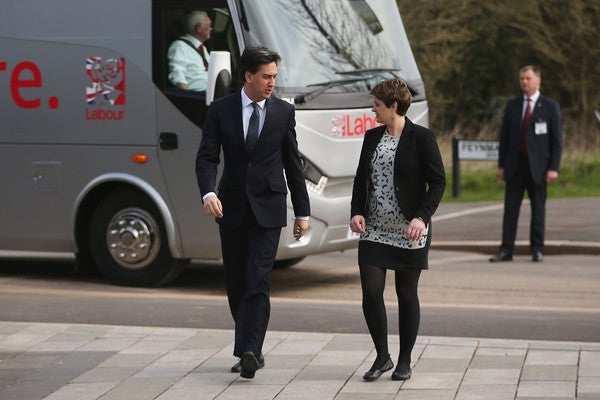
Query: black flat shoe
<point x="237" y="367"/>
<point x="537" y="256"/>
<point x="501" y="256"/>
<point x="376" y="371"/>
<point x="249" y="365"/>
<point x="402" y="372"/>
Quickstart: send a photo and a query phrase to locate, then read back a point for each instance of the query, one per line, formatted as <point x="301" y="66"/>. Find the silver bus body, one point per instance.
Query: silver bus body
<point x="97" y="149"/>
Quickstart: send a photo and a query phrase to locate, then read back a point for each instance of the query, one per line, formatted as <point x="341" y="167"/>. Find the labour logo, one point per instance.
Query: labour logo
<point x="337" y="122"/>
<point x="107" y="81"/>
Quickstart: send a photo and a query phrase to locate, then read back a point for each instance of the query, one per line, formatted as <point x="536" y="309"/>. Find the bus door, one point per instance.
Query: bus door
<point x="180" y="115"/>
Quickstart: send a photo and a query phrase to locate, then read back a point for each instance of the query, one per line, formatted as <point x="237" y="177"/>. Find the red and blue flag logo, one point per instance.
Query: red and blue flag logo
<point x="107" y="81"/>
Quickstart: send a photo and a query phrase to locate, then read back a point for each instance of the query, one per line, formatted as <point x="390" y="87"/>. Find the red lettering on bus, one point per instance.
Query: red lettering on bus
<point x="26" y="74"/>
<point x="53" y="102"/>
<point x="17" y="83"/>
<point x="359" y="125"/>
<point x="104" y="114"/>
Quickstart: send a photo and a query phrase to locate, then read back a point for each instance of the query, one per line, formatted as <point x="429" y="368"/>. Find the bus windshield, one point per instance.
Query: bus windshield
<point x="333" y="51"/>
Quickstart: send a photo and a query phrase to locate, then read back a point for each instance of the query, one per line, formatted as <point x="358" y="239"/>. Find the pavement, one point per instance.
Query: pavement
<point x="88" y="362"/>
<point x="572" y="227"/>
<point x="64" y="361"/>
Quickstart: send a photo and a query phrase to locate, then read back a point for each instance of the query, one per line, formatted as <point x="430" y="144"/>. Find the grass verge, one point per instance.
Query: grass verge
<point x="579" y="177"/>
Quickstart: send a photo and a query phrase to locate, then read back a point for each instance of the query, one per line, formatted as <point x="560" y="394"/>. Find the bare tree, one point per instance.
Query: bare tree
<point x="469" y="53"/>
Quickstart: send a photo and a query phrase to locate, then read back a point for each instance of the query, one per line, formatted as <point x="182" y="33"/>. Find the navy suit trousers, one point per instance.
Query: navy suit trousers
<point x="514" y="191"/>
<point x="248" y="255"/>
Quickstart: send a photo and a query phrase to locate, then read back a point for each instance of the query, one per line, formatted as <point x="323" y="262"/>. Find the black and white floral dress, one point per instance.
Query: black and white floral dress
<point x="384" y="243"/>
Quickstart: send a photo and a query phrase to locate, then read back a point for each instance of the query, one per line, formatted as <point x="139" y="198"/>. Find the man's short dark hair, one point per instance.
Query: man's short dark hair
<point x="533" y="68"/>
<point x="254" y="57"/>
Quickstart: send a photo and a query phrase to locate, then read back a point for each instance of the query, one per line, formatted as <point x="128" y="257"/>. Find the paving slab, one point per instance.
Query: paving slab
<point x="101" y="362"/>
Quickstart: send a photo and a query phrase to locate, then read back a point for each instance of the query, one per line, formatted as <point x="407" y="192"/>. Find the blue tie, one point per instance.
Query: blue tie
<point x="252" y="134"/>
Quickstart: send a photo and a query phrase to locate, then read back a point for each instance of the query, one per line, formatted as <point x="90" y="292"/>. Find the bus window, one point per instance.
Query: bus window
<point x="168" y="24"/>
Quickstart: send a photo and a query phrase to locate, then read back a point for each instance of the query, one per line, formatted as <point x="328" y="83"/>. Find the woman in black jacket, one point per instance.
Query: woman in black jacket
<point x="398" y="185"/>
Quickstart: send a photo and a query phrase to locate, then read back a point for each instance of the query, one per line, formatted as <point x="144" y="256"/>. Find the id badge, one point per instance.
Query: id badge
<point x="541" y="128"/>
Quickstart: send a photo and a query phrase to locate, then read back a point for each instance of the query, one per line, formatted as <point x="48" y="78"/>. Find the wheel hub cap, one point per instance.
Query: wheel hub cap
<point x="131" y="237"/>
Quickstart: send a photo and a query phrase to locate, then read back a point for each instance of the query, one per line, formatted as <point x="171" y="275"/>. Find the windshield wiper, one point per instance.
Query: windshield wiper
<point x="369" y="71"/>
<point x="323" y="86"/>
<point x="375" y="71"/>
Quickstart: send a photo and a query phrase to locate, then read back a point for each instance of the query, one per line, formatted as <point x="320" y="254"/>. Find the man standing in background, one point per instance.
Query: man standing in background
<point x="531" y="142"/>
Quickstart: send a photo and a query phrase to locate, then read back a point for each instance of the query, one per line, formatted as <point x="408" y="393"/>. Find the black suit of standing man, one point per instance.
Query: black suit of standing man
<point x="251" y="203"/>
<point x="529" y="158"/>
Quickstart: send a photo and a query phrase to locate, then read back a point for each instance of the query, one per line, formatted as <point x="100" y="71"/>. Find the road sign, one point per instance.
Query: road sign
<point x="480" y="150"/>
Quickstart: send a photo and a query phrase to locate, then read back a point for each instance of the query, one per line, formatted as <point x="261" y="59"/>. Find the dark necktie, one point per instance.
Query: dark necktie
<point x="524" y="126"/>
<point x="252" y="134"/>
<point x="201" y="51"/>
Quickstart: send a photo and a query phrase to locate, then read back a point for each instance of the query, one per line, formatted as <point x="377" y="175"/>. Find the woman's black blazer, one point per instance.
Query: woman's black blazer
<point x="419" y="175"/>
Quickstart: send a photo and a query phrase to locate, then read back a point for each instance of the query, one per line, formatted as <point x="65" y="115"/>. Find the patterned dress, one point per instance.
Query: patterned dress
<point x="384" y="243"/>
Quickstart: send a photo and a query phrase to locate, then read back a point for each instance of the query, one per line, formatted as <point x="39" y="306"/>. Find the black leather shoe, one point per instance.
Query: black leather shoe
<point x="501" y="256"/>
<point x="237" y="368"/>
<point x="376" y="370"/>
<point x="402" y="372"/>
<point x="537" y="256"/>
<point x="249" y="365"/>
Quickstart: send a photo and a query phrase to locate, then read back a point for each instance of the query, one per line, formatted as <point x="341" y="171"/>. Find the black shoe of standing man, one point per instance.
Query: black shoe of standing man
<point x="501" y="256"/>
<point x="537" y="256"/>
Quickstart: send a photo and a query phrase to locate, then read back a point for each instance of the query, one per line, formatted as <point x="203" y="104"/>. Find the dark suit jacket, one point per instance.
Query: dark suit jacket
<point x="419" y="176"/>
<point x="543" y="150"/>
<point x="259" y="176"/>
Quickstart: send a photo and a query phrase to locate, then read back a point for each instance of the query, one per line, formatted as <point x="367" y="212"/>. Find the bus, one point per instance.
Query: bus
<point x="97" y="148"/>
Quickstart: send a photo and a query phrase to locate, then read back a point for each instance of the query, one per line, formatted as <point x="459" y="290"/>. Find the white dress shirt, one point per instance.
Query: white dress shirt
<point x="186" y="65"/>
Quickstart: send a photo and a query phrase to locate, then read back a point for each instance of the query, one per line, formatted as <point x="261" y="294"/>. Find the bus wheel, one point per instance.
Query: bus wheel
<point x="128" y="241"/>
<point x="281" y="264"/>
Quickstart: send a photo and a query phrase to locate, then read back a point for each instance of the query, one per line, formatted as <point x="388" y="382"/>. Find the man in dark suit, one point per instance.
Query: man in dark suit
<point x="256" y="133"/>
<point x="529" y="158"/>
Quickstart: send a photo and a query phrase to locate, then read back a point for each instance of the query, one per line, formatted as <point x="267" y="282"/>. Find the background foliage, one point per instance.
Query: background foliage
<point x="469" y="53"/>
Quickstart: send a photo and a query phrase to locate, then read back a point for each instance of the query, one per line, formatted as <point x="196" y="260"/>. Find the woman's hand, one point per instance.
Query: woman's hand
<point x="415" y="229"/>
<point x="358" y="224"/>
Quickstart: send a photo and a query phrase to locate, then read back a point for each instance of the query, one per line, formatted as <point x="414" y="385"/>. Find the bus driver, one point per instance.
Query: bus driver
<point x="188" y="57"/>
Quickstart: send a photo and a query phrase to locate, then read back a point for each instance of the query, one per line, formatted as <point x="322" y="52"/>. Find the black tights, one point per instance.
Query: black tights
<point x="409" y="315"/>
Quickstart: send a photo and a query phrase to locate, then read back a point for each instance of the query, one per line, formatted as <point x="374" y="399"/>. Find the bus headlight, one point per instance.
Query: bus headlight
<point x="315" y="180"/>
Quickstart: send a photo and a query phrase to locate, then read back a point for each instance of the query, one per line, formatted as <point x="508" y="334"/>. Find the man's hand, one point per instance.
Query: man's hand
<point x="300" y="228"/>
<point x="551" y="175"/>
<point x="213" y="207"/>
<point x="501" y="174"/>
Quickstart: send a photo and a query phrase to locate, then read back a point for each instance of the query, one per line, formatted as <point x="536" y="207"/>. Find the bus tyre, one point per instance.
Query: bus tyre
<point x="128" y="241"/>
